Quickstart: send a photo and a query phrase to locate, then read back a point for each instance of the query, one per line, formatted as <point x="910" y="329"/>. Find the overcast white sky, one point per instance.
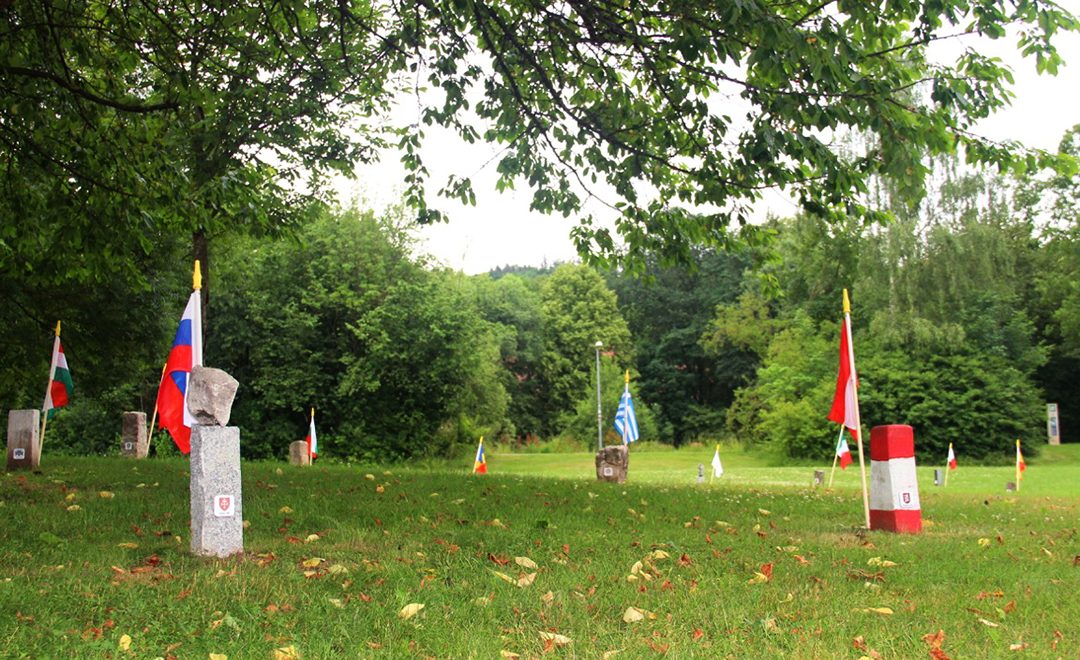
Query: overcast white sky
<point x="500" y="230"/>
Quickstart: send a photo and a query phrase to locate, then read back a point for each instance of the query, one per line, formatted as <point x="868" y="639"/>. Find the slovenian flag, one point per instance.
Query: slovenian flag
<point x="479" y="465"/>
<point x="842" y="451"/>
<point x="186" y="353"/>
<point x="58" y="393"/>
<point x="952" y="458"/>
<point x="312" y="441"/>
<point x="625" y="419"/>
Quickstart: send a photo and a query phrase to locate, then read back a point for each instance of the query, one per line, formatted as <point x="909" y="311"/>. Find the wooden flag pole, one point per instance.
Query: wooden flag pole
<point x="835" y="456"/>
<point x="945" y="484"/>
<point x="45" y="413"/>
<point x="1018" y="465"/>
<point x="153" y="418"/>
<point x="858" y="418"/>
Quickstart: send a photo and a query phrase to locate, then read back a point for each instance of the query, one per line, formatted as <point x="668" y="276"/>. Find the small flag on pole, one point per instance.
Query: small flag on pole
<point x="717" y="467"/>
<point x="843" y="452"/>
<point x="952" y="458"/>
<point x="312" y="441"/>
<point x="625" y="419"/>
<point x="479" y="465"/>
<point x="185" y="354"/>
<point x="845" y="400"/>
<point x="60" y="388"/>
<point x="1020" y="465"/>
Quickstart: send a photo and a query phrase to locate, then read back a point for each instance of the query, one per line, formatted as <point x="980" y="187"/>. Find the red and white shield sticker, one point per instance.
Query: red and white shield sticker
<point x="224" y="506"/>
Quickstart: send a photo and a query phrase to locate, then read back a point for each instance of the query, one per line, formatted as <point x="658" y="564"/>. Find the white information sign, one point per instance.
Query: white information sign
<point x="224" y="506"/>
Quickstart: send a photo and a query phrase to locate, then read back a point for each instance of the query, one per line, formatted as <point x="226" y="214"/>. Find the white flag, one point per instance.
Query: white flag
<point x="717" y="468"/>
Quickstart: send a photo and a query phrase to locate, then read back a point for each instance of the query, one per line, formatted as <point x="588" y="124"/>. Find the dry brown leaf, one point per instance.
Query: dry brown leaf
<point x="989" y="624"/>
<point x="311" y="538"/>
<point x="129" y="546"/>
<point x="410" y="610"/>
<point x="509" y="655"/>
<point x="286" y="653"/>
<point x="125" y="642"/>
<point x="548" y="598"/>
<point x="525" y="562"/>
<point x="218" y="656"/>
<point x="504" y="577"/>
<point x="106" y="494"/>
<point x="526" y="580"/>
<point x="555" y="638"/>
<point x="633" y="615"/>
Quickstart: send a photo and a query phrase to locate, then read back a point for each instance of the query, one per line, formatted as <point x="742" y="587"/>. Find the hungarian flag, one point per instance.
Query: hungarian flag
<point x="843" y="453"/>
<point x="479" y="465"/>
<point x="717" y="467"/>
<point x="186" y="353"/>
<point x="312" y="441"/>
<point x="845" y="400"/>
<point x="1020" y="465"/>
<point x="952" y="458"/>
<point x="58" y="393"/>
<point x="625" y="419"/>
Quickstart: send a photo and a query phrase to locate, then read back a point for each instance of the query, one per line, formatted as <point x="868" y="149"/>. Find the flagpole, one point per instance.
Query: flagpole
<point x="153" y="418"/>
<point x="48" y="386"/>
<point x="626" y="415"/>
<point x="947" y="468"/>
<point x="835" y="456"/>
<point x="858" y="418"/>
<point x="1018" y="465"/>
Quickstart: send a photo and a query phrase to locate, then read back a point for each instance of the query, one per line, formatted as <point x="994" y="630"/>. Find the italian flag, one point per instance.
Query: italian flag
<point x="58" y="393"/>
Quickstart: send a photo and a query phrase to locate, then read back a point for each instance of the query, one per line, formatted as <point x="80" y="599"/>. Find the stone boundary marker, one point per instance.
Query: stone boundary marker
<point x="612" y="463"/>
<point x="133" y="441"/>
<point x="894" y="489"/>
<point x="217" y="516"/>
<point x="298" y="453"/>
<point x="23" y="441"/>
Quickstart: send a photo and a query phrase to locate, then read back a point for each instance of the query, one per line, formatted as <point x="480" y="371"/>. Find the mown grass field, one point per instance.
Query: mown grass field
<point x="94" y="562"/>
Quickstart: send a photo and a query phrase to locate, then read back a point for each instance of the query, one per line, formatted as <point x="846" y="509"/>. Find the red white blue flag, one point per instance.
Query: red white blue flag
<point x="312" y="440"/>
<point x="186" y="353"/>
<point x="480" y="463"/>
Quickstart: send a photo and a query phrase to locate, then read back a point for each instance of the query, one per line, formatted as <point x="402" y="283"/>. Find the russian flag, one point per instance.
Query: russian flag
<point x="186" y="353"/>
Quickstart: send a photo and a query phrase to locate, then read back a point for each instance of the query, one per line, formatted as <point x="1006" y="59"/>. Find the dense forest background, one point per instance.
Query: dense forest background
<point x="966" y="317"/>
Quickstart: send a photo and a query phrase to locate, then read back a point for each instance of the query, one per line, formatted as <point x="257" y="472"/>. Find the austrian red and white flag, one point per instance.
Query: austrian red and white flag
<point x="952" y="458"/>
<point x="843" y="452"/>
<point x="845" y="401"/>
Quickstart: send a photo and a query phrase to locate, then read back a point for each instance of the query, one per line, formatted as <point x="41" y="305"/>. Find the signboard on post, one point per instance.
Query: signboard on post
<point x="1053" y="425"/>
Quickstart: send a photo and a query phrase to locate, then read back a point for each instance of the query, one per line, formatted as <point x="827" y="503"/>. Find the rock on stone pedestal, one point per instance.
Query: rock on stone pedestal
<point x="133" y="442"/>
<point x="210" y="395"/>
<point x="217" y="523"/>
<point x="298" y="453"/>
<point x="23" y="441"/>
<point x="612" y="463"/>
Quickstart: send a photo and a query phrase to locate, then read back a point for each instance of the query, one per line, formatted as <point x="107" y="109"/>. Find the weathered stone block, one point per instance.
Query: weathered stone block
<point x="298" y="453"/>
<point x="23" y="440"/>
<point x="133" y="442"/>
<point x="612" y="463"/>
<point x="210" y="396"/>
<point x="217" y="522"/>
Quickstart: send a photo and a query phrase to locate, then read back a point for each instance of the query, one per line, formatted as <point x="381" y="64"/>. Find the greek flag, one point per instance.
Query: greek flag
<point x="625" y="419"/>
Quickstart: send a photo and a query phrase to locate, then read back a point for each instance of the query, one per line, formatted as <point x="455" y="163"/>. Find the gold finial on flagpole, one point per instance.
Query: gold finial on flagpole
<point x="58" y="328"/>
<point x="847" y="303"/>
<point x="196" y="280"/>
<point x="627" y="379"/>
<point x="313" y="413"/>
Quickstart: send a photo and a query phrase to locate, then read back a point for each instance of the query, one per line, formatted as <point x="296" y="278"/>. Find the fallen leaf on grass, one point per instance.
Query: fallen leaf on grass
<point x="633" y="615"/>
<point x="1019" y="646"/>
<point x="74" y="507"/>
<point x="129" y="546"/>
<point x="555" y="638"/>
<point x="884" y="611"/>
<point x="313" y="562"/>
<point x="526" y="580"/>
<point x="878" y="561"/>
<point x="285" y="510"/>
<point x="698" y="634"/>
<point x="311" y="538"/>
<point x="984" y="543"/>
<point x="106" y="494"/>
<point x="286" y="653"/>
<point x="410" y="610"/>
<point x="125" y="642"/>
<point x="218" y="656"/>
<point x="338" y="569"/>
<point x="989" y="624"/>
<point x="525" y="562"/>
<point x="337" y="602"/>
<point x="509" y="655"/>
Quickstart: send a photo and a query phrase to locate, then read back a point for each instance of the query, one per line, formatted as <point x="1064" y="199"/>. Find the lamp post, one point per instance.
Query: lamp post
<point x="599" y="413"/>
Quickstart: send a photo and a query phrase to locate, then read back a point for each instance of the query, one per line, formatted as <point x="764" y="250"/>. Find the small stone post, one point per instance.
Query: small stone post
<point x="819" y="477"/>
<point x="217" y="514"/>
<point x="133" y="443"/>
<point x="298" y="453"/>
<point x="701" y="473"/>
<point x="612" y="463"/>
<point x="939" y="477"/>
<point x="23" y="441"/>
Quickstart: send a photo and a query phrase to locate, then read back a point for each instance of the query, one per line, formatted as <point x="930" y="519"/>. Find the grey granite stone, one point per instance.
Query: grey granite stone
<point x="210" y="395"/>
<point x="217" y="522"/>
<point x="298" y="453"/>
<point x="133" y="442"/>
<point x="23" y="440"/>
<point x="612" y="463"/>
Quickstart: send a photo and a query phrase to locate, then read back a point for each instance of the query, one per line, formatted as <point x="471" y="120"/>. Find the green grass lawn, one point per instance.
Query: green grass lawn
<point x="94" y="562"/>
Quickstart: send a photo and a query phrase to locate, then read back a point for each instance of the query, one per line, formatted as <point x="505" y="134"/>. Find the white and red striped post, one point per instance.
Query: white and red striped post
<point x="894" y="490"/>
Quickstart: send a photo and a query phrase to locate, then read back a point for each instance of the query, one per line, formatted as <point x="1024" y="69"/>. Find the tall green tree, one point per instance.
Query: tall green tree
<point x="578" y="309"/>
<point x="395" y="357"/>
